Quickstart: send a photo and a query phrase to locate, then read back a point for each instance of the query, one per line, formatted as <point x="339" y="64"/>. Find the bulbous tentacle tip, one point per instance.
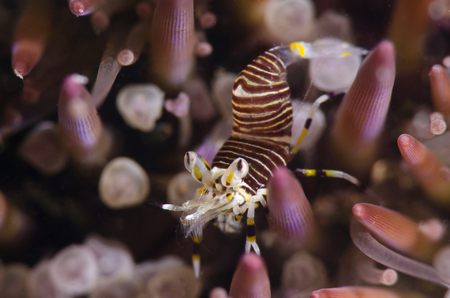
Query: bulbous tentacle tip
<point x="250" y="278"/>
<point x="144" y="10"/>
<point x="125" y="57"/>
<point x="24" y="57"/>
<point x="380" y="62"/>
<point x="77" y="8"/>
<point x="72" y="87"/>
<point x="251" y="263"/>
<point x="385" y="51"/>
<point x="414" y="153"/>
<point x="404" y="141"/>
<point x="20" y="69"/>
<point x="359" y="211"/>
<point x="203" y="49"/>
<point x="389" y="277"/>
<point x="436" y="70"/>
<point x="218" y="293"/>
<point x="207" y="20"/>
<point x="379" y="66"/>
<point x="100" y="21"/>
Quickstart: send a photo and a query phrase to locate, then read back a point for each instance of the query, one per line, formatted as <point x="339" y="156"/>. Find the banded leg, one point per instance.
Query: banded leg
<point x="320" y="100"/>
<point x="308" y="121"/>
<point x="329" y="173"/>
<point x="337" y="174"/>
<point x="251" y="228"/>
<point x="196" y="256"/>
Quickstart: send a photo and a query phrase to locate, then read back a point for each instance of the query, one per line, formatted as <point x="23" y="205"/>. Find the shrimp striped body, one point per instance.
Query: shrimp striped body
<point x="262" y="121"/>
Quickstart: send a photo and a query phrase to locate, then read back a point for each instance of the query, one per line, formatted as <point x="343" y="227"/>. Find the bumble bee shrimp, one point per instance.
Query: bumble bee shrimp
<point x="236" y="181"/>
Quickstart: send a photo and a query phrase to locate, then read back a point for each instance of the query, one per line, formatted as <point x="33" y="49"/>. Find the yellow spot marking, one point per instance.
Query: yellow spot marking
<point x="228" y="180"/>
<point x="299" y="140"/>
<point x="310" y="173"/>
<point x="296" y="46"/>
<point x="196" y="240"/>
<point x="230" y="196"/>
<point x="195" y="257"/>
<point x="197" y="173"/>
<point x="251" y="239"/>
<point x="200" y="190"/>
<point x="346" y="54"/>
<point x="250" y="222"/>
<point x="206" y="163"/>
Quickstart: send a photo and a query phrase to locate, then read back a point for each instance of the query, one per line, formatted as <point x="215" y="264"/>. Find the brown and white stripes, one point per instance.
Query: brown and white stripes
<point x="262" y="121"/>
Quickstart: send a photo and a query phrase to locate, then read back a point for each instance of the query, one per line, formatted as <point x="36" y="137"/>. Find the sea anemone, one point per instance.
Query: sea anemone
<point x="65" y="64"/>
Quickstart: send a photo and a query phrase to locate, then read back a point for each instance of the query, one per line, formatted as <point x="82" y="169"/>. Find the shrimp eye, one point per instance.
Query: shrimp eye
<point x="197" y="166"/>
<point x="189" y="158"/>
<point x="235" y="173"/>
